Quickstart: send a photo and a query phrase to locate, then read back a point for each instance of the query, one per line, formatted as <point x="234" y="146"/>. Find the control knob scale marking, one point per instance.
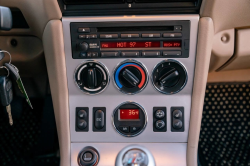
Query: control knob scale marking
<point x="92" y="77"/>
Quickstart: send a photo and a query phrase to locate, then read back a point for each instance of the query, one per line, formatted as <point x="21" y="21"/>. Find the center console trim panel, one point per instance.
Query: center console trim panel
<point x="112" y="97"/>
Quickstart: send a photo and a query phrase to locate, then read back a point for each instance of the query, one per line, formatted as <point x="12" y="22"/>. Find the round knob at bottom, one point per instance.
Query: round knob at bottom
<point x="134" y="155"/>
<point x="89" y="156"/>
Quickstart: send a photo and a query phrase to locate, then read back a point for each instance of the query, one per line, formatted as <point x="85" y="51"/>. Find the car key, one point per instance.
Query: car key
<point x="14" y="73"/>
<point x="1" y="55"/>
<point x="6" y="95"/>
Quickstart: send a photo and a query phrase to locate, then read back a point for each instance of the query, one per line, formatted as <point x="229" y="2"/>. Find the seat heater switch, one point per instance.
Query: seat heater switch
<point x="99" y="119"/>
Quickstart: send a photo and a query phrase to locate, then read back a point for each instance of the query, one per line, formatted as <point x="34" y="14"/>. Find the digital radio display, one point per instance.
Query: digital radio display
<point x="129" y="114"/>
<point x="172" y="44"/>
<point x="148" y="44"/>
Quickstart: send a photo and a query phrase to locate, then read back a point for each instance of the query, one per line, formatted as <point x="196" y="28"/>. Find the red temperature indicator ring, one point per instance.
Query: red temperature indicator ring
<point x="172" y="44"/>
<point x="129" y="114"/>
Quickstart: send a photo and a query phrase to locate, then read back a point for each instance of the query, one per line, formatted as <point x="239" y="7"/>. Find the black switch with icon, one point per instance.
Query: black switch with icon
<point x="82" y="119"/>
<point x="177" y="114"/>
<point x="160" y="119"/>
<point x="99" y="119"/>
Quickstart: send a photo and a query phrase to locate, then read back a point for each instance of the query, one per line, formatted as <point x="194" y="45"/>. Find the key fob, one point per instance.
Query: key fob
<point x="6" y="92"/>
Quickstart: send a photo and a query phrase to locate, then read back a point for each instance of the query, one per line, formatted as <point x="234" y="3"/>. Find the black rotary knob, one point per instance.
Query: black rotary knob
<point x="83" y="46"/>
<point x="89" y="156"/>
<point x="92" y="77"/>
<point x="130" y="77"/>
<point x="169" y="77"/>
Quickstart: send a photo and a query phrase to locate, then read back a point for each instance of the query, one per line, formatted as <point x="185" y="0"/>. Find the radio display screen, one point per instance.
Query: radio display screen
<point x="148" y="44"/>
<point x="129" y="114"/>
<point x="172" y="44"/>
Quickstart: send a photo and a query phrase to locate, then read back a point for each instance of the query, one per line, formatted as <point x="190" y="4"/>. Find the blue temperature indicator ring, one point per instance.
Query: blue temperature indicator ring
<point x="118" y="71"/>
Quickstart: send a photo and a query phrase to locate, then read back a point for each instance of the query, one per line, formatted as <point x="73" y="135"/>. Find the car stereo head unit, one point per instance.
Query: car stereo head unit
<point x="169" y="39"/>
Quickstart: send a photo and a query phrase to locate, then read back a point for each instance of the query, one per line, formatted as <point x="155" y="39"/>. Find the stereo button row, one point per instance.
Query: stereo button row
<point x="109" y="36"/>
<point x="93" y="36"/>
<point x="83" y="30"/>
<point x="172" y="35"/>
<point x="144" y="53"/>
<point x="115" y="36"/>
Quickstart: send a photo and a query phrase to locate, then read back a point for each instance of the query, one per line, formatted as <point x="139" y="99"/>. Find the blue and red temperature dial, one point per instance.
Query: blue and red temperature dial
<point x="130" y="77"/>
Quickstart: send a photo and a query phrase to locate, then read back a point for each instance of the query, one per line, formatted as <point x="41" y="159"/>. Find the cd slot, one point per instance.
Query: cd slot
<point x="135" y="29"/>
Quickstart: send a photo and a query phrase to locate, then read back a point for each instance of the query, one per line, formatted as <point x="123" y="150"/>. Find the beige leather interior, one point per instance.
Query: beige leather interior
<point x="225" y="41"/>
<point x="204" y="47"/>
<point x="229" y="76"/>
<point x="55" y="60"/>
<point x="228" y="15"/>
<point x="26" y="55"/>
<point x="37" y="14"/>
<point x="241" y="58"/>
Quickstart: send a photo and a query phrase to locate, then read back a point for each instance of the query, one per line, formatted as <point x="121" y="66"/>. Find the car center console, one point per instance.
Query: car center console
<point x="130" y="81"/>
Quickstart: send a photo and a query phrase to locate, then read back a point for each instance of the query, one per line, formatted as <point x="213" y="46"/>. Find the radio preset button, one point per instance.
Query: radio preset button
<point x="89" y="55"/>
<point x="93" y="36"/>
<point x="82" y="36"/>
<point x="130" y="53"/>
<point x="151" y="35"/>
<point x="110" y="54"/>
<point x="171" y="53"/>
<point x="83" y="30"/>
<point x="83" y="54"/>
<point x="109" y="36"/>
<point x="172" y="35"/>
<point x="130" y="35"/>
<point x="94" y="54"/>
<point x="151" y="53"/>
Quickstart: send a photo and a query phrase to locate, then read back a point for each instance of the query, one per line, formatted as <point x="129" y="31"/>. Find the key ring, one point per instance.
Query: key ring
<point x="6" y="69"/>
<point x="7" y="53"/>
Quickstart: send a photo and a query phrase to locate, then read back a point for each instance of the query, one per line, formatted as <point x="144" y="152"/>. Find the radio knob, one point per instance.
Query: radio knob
<point x="83" y="46"/>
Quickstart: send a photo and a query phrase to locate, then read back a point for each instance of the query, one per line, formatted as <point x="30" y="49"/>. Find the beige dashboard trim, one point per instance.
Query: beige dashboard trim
<point x="204" y="47"/>
<point x="56" y="66"/>
<point x="37" y="14"/>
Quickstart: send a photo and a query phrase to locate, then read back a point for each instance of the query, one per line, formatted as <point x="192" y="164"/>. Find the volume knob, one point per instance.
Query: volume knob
<point x="83" y="46"/>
